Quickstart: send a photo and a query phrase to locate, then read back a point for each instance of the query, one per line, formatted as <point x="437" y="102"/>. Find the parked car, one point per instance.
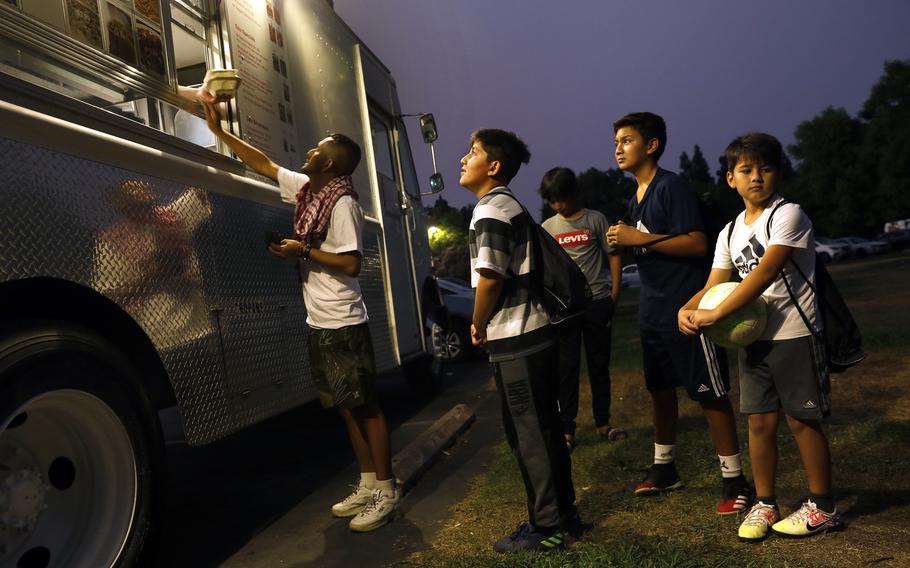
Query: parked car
<point x="630" y="278"/>
<point x="862" y="248"/>
<point x="452" y="339"/>
<point x="829" y="250"/>
<point x="897" y="240"/>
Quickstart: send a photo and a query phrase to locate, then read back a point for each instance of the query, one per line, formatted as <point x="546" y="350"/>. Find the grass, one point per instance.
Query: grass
<point x="868" y="432"/>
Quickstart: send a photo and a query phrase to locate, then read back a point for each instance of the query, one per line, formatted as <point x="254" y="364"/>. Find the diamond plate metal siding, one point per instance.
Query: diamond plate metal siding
<point x="372" y="285"/>
<point x="189" y="266"/>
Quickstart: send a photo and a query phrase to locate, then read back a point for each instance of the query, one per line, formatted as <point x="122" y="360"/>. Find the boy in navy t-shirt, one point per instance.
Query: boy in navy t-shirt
<point x="665" y="229"/>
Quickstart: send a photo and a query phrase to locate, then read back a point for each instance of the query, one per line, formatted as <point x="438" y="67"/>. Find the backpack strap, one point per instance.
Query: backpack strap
<point x="802" y="314"/>
<point x="535" y="244"/>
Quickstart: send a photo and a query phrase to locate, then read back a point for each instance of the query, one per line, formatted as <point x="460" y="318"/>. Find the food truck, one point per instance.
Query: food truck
<point x="134" y="275"/>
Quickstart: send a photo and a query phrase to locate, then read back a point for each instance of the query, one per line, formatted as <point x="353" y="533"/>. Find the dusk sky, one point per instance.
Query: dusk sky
<point x="559" y="73"/>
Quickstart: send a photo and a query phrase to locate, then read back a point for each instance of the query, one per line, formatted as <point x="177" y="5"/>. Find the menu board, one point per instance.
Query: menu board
<point x="265" y="97"/>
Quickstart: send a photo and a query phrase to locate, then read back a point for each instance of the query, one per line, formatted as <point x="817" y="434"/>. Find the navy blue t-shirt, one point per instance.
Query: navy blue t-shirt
<point x="669" y="207"/>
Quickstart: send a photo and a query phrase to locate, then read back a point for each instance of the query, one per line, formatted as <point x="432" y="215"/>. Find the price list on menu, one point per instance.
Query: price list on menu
<point x="264" y="98"/>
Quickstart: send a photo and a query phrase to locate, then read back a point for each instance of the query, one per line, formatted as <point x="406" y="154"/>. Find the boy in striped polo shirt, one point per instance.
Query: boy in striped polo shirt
<point x="510" y="320"/>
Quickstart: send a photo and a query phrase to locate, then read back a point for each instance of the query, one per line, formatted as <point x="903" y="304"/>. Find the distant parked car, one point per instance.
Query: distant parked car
<point x="452" y="339"/>
<point x="829" y="250"/>
<point x="630" y="278"/>
<point x="862" y="248"/>
<point x="897" y="240"/>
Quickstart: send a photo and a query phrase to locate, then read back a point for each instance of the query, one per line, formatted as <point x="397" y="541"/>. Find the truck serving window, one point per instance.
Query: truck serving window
<point x="125" y="56"/>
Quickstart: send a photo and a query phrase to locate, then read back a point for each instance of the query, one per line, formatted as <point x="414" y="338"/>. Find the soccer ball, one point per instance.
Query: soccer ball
<point x="740" y="328"/>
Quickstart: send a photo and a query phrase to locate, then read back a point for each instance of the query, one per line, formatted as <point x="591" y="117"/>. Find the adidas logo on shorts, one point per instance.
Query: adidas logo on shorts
<point x="809" y="405"/>
<point x="703" y="388"/>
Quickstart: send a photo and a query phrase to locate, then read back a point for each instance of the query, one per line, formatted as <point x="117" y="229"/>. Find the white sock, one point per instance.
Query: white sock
<point x="386" y="485"/>
<point x="730" y="466"/>
<point x="368" y="480"/>
<point x="663" y="453"/>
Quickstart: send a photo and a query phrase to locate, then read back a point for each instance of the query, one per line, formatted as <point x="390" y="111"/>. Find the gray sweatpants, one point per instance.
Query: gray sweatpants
<point x="528" y="389"/>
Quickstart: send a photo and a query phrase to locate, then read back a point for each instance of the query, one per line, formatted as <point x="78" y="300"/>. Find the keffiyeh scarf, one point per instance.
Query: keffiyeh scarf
<point x="313" y="212"/>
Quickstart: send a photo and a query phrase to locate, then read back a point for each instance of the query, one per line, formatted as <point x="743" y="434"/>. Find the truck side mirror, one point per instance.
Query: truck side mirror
<point x="428" y="128"/>
<point x="436" y="183"/>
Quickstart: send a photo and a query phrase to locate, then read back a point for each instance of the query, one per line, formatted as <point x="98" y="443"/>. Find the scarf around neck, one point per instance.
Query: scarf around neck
<point x="313" y="211"/>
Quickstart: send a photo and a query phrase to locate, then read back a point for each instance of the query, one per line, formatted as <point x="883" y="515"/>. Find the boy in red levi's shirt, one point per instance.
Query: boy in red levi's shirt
<point x="582" y="233"/>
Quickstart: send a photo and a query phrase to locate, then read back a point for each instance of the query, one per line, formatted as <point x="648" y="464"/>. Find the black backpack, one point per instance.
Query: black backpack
<point x="712" y="218"/>
<point x="561" y="285"/>
<point x="840" y="334"/>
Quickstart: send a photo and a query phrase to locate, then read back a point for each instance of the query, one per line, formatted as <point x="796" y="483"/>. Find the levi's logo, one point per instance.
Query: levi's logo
<point x="581" y="237"/>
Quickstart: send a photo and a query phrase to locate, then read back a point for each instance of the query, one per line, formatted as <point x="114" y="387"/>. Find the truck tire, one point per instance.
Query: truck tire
<point x="81" y="452"/>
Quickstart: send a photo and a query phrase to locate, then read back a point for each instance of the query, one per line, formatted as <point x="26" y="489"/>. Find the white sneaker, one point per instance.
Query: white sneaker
<point x="353" y="503"/>
<point x="378" y="512"/>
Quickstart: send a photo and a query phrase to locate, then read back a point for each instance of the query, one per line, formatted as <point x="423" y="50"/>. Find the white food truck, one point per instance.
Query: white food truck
<point x="134" y="275"/>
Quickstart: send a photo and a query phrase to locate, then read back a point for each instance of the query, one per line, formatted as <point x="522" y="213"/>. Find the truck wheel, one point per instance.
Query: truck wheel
<point x="81" y="452"/>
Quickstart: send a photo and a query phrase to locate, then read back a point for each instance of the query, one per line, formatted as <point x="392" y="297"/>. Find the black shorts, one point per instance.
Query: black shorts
<point x="343" y="366"/>
<point x="672" y="359"/>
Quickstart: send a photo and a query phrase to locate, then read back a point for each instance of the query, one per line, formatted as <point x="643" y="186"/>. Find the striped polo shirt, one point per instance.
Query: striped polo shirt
<point x="500" y="238"/>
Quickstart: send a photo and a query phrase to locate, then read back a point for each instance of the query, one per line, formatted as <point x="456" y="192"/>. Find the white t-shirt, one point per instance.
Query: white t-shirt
<point x="333" y="300"/>
<point x="789" y="227"/>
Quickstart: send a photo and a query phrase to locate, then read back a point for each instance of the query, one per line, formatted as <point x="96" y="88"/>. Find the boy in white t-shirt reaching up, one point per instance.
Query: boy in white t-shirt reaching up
<point x="785" y="370"/>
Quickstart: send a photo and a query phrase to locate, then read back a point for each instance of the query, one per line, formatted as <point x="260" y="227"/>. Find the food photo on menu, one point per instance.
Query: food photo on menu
<point x="149" y="9"/>
<point x="151" y="49"/>
<point x="120" y="34"/>
<point x="85" y="22"/>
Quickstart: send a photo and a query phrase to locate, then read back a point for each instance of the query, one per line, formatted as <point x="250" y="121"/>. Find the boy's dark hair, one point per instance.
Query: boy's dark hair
<point x="503" y="147"/>
<point x="345" y="154"/>
<point x="760" y="147"/>
<point x="649" y="125"/>
<point x="558" y="184"/>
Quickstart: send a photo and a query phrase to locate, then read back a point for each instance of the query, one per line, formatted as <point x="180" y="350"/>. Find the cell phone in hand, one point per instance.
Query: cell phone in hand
<point x="272" y="238"/>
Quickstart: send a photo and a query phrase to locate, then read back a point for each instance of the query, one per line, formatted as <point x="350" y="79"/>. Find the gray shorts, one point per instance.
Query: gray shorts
<point x="789" y="375"/>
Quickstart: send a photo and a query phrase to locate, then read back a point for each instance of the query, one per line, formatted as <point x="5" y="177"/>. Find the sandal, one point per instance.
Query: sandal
<point x="611" y="433"/>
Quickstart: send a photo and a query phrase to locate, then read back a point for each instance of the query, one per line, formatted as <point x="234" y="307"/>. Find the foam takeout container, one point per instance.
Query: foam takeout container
<point x="221" y="82"/>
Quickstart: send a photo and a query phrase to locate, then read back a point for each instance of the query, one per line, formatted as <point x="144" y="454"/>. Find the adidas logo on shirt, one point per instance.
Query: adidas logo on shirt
<point x="809" y="405"/>
<point x="703" y="388"/>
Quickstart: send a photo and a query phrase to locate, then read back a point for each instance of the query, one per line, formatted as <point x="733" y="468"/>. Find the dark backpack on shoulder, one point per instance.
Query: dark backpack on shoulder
<point x="840" y="334"/>
<point x="712" y="218"/>
<point x="561" y="285"/>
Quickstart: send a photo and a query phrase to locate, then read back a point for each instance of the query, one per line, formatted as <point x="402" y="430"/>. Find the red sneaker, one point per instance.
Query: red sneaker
<point x="660" y="478"/>
<point x="737" y="497"/>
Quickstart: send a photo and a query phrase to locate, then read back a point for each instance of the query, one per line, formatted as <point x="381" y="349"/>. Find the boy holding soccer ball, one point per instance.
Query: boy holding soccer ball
<point x="785" y="369"/>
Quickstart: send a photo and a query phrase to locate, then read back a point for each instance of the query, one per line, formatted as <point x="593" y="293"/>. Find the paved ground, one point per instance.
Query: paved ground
<point x="261" y="498"/>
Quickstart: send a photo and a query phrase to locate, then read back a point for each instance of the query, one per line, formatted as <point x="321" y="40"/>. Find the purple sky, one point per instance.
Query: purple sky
<point x="558" y="74"/>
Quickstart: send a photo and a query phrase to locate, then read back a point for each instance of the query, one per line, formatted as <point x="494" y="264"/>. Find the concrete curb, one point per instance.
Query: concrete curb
<point x="419" y="455"/>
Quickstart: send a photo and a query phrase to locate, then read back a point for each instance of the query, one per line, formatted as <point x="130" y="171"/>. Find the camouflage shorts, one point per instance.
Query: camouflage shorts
<point x="342" y="365"/>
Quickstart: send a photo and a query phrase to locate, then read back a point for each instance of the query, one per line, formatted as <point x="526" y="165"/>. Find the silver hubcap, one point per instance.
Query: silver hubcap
<point x="446" y="344"/>
<point x="67" y="482"/>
